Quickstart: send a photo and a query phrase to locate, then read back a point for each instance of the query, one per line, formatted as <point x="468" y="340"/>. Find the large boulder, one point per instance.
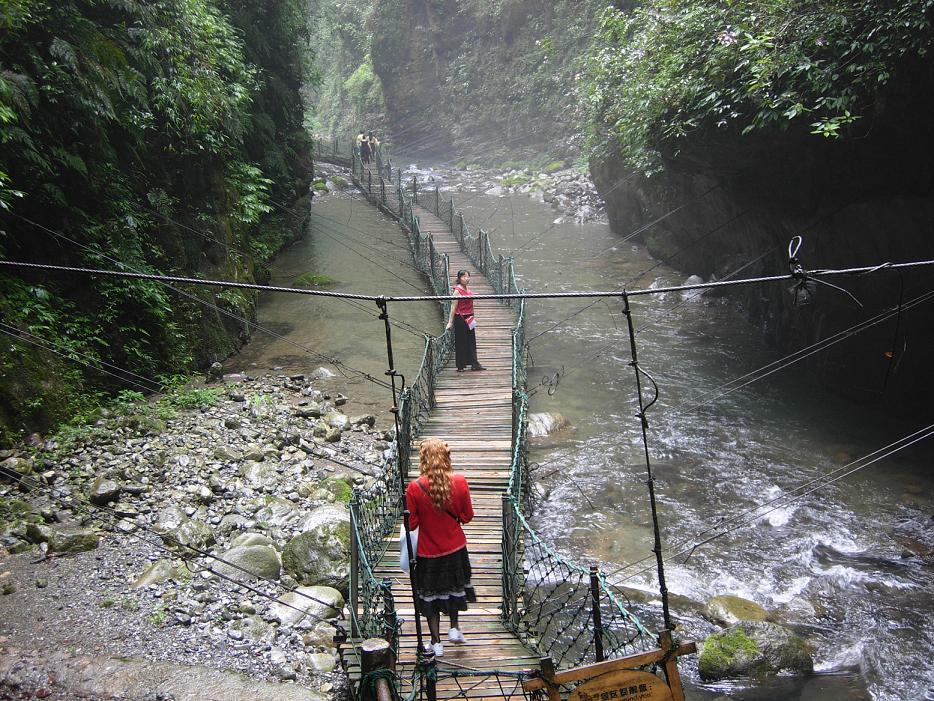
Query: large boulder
<point x="314" y="603"/>
<point x="275" y="512"/>
<point x="189" y="533"/>
<point x="544" y="423"/>
<point x="249" y="562"/>
<point x="73" y="540"/>
<point x="728" y="610"/>
<point x="321" y="555"/>
<point x="753" y="649"/>
<point x="21" y="466"/>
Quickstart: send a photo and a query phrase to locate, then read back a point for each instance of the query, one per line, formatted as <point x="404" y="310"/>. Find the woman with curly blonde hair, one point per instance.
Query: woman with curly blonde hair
<point x="439" y="503"/>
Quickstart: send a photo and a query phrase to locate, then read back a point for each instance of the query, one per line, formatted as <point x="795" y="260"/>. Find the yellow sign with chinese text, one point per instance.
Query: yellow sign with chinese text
<point x="623" y="685"/>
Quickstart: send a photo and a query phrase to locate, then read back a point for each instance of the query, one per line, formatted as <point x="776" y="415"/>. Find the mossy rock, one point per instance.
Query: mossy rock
<point x="554" y="167"/>
<point x="339" y="182"/>
<point x="728" y="610"/>
<point x="319" y="185"/>
<point x="340" y="488"/>
<point x="753" y="649"/>
<point x="310" y="279"/>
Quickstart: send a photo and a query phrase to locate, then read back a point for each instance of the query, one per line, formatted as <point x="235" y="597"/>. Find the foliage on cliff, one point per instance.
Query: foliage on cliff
<point x="350" y="95"/>
<point x="146" y="135"/>
<point x="672" y="68"/>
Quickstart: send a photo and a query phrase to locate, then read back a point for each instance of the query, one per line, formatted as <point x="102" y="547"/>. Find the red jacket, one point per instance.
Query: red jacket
<point x="439" y="534"/>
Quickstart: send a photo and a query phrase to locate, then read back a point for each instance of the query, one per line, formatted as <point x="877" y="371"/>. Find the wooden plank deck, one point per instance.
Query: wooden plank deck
<point x="474" y="415"/>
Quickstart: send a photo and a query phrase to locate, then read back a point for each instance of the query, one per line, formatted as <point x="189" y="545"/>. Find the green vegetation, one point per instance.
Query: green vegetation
<point x="158" y="617"/>
<point x="314" y="280"/>
<point x="163" y="137"/>
<point x="676" y="68"/>
<point x="515" y="179"/>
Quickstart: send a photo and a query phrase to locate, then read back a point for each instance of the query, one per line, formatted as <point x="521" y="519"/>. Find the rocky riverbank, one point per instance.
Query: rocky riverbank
<point x="253" y="473"/>
<point x="571" y="193"/>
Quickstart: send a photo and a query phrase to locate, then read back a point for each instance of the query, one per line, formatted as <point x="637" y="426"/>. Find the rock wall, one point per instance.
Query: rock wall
<point x="492" y="81"/>
<point x="729" y="207"/>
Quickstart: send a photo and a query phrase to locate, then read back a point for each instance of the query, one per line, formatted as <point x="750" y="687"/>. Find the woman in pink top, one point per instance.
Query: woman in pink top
<point x="464" y="323"/>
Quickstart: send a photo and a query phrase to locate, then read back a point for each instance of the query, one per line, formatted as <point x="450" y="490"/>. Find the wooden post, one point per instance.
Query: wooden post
<point x="376" y="654"/>
<point x="597" y="621"/>
<point x="671" y="666"/>
<point x="414" y="189"/>
<point x="547" y="666"/>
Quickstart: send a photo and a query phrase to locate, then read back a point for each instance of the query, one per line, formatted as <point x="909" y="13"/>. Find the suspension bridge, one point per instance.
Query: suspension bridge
<point x="537" y="613"/>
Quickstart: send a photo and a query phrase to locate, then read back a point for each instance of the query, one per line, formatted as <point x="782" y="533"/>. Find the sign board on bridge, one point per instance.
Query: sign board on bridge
<point x="623" y="685"/>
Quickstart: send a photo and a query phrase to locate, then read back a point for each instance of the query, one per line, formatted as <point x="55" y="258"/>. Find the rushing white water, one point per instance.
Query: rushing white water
<point x="836" y="565"/>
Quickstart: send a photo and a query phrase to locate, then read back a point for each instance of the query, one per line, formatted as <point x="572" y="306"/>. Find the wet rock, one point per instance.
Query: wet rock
<point x="103" y="491"/>
<point x="753" y="649"/>
<point x="250" y="561"/>
<point x="728" y="610"/>
<point x="73" y="540"/>
<point x="544" y="423"/>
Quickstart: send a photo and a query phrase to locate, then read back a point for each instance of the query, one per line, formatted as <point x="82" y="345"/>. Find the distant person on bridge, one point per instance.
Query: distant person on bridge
<point x="464" y="322"/>
<point x="374" y="143"/>
<point x="439" y="503"/>
<point x="365" y="150"/>
<point x="358" y="143"/>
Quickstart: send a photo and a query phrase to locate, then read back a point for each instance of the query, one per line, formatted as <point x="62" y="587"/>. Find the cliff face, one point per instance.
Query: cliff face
<point x="729" y="206"/>
<point x="493" y="81"/>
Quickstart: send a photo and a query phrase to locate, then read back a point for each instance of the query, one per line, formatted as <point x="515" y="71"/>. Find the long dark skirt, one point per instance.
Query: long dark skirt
<point x="444" y="583"/>
<point x="465" y="343"/>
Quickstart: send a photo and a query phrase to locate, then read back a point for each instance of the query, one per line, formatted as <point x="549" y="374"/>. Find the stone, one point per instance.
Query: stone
<point x="320" y="662"/>
<point x="753" y="649"/>
<point x="250" y="561"/>
<point x="275" y="512"/>
<point x="190" y="532"/>
<point x="38" y="533"/>
<point x="309" y="602"/>
<point x="103" y="491"/>
<point x="253" y="539"/>
<point x="309" y="411"/>
<point x="321" y="635"/>
<point x="253" y="628"/>
<point x="73" y="540"/>
<point x="226" y="453"/>
<point x="728" y="610"/>
<point x="215" y="372"/>
<point x="340" y="488"/>
<point x="159" y="571"/>
<point x="320" y="556"/>
<point x="321" y="373"/>
<point x="259" y="475"/>
<point x="332" y="435"/>
<point x="363" y="420"/>
<point x="21" y="466"/>
<point x="544" y="423"/>
<point x="335" y="419"/>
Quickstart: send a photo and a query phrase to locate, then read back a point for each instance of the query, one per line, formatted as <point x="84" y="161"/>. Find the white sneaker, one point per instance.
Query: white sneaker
<point x="455" y="636"/>
<point x="438" y="648"/>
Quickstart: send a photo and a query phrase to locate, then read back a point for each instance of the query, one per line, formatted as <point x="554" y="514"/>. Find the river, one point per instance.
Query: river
<point x="834" y="565"/>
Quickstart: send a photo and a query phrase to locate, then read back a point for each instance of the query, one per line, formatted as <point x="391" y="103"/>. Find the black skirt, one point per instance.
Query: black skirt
<point x="465" y="344"/>
<point x="444" y="583"/>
